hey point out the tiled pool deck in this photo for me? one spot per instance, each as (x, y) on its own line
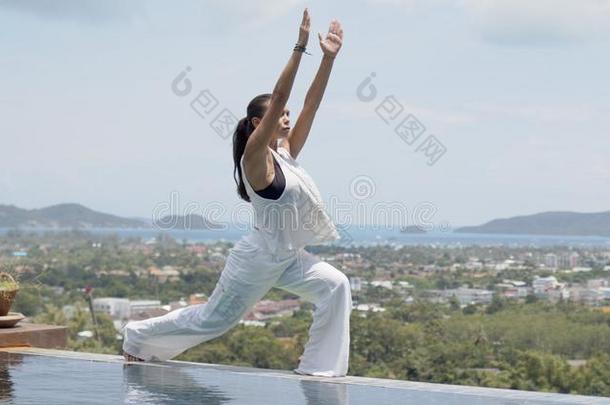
(47, 376)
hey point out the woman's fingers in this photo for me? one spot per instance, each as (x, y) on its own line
(334, 37)
(306, 20)
(335, 28)
(333, 40)
(304, 28)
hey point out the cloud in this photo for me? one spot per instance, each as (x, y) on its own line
(539, 22)
(246, 13)
(548, 113)
(256, 13)
(522, 22)
(417, 5)
(266, 9)
(559, 114)
(361, 110)
(92, 11)
(6, 183)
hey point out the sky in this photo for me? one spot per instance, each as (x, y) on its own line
(513, 96)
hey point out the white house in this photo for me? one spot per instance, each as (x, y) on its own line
(542, 284)
(355, 283)
(116, 308)
(468, 296)
(382, 283)
(139, 305)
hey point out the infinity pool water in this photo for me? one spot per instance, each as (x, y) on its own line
(43, 379)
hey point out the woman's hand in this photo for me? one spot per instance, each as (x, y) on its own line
(333, 41)
(304, 28)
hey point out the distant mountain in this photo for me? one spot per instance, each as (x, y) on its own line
(147, 221)
(63, 216)
(548, 223)
(414, 229)
(186, 222)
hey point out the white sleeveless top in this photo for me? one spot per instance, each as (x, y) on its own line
(298, 217)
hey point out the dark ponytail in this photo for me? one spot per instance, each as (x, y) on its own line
(256, 108)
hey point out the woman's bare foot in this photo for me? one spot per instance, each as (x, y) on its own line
(129, 357)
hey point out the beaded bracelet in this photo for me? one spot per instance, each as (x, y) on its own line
(300, 48)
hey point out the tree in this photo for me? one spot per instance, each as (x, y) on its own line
(497, 304)
(470, 309)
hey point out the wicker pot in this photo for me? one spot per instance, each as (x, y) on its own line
(7, 295)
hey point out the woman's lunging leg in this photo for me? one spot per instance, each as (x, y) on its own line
(327, 350)
(164, 337)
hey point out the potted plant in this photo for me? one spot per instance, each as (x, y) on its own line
(8, 290)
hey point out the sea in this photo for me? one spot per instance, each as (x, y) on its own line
(353, 237)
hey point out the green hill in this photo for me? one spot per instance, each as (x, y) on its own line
(63, 216)
(548, 223)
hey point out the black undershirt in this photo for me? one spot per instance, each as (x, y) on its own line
(274, 190)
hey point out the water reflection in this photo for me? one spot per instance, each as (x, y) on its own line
(6, 385)
(36, 381)
(7, 390)
(164, 385)
(48, 380)
(324, 393)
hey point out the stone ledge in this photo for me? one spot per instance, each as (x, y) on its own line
(35, 335)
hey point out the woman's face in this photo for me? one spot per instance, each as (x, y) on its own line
(283, 124)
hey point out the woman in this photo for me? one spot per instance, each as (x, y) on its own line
(288, 214)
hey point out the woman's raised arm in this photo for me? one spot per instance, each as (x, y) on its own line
(330, 46)
(256, 147)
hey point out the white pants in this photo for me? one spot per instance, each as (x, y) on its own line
(249, 272)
